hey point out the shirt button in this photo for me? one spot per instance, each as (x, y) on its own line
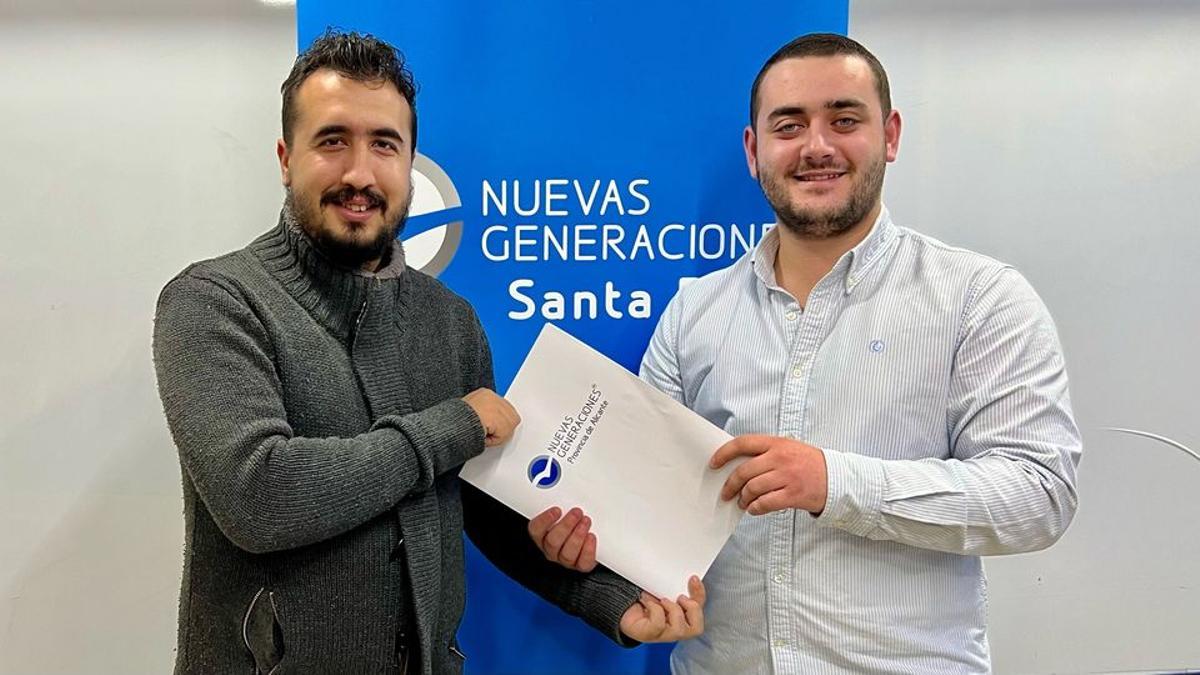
(797, 371)
(791, 315)
(779, 578)
(779, 642)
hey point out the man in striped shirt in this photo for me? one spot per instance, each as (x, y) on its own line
(901, 405)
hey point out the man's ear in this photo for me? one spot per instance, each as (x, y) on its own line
(749, 144)
(891, 135)
(281, 149)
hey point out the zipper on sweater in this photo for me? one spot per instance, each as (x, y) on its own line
(362, 314)
(246, 620)
(362, 386)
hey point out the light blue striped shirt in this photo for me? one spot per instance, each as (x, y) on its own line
(933, 379)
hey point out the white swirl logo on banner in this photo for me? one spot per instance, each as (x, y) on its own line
(432, 249)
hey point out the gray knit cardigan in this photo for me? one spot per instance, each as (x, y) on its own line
(318, 416)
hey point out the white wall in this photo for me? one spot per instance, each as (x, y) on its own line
(135, 140)
(1064, 137)
(1061, 137)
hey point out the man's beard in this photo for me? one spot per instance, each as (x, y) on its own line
(348, 252)
(817, 224)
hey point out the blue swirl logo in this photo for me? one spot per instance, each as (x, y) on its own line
(544, 472)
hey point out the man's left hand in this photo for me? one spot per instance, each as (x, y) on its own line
(781, 474)
(653, 619)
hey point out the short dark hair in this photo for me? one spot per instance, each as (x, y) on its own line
(824, 44)
(364, 58)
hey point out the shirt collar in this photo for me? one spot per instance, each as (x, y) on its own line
(852, 266)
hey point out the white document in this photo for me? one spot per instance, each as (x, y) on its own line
(595, 436)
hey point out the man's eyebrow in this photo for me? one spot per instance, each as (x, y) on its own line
(836, 104)
(844, 103)
(336, 129)
(387, 132)
(331, 130)
(787, 111)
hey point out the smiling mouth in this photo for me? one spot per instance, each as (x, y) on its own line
(356, 213)
(354, 206)
(818, 177)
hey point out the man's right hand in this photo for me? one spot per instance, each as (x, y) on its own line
(569, 541)
(497, 415)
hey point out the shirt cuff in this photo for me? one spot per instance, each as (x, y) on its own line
(855, 492)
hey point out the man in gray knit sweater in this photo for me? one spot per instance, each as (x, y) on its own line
(322, 396)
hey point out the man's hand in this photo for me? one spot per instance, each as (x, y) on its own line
(568, 541)
(780, 474)
(497, 415)
(659, 620)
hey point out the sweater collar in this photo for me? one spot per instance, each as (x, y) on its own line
(334, 294)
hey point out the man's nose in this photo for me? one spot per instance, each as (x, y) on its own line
(817, 145)
(359, 173)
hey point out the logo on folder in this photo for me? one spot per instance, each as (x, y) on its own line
(544, 472)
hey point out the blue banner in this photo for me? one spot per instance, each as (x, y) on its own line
(577, 160)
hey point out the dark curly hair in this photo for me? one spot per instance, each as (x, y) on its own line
(824, 44)
(364, 58)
